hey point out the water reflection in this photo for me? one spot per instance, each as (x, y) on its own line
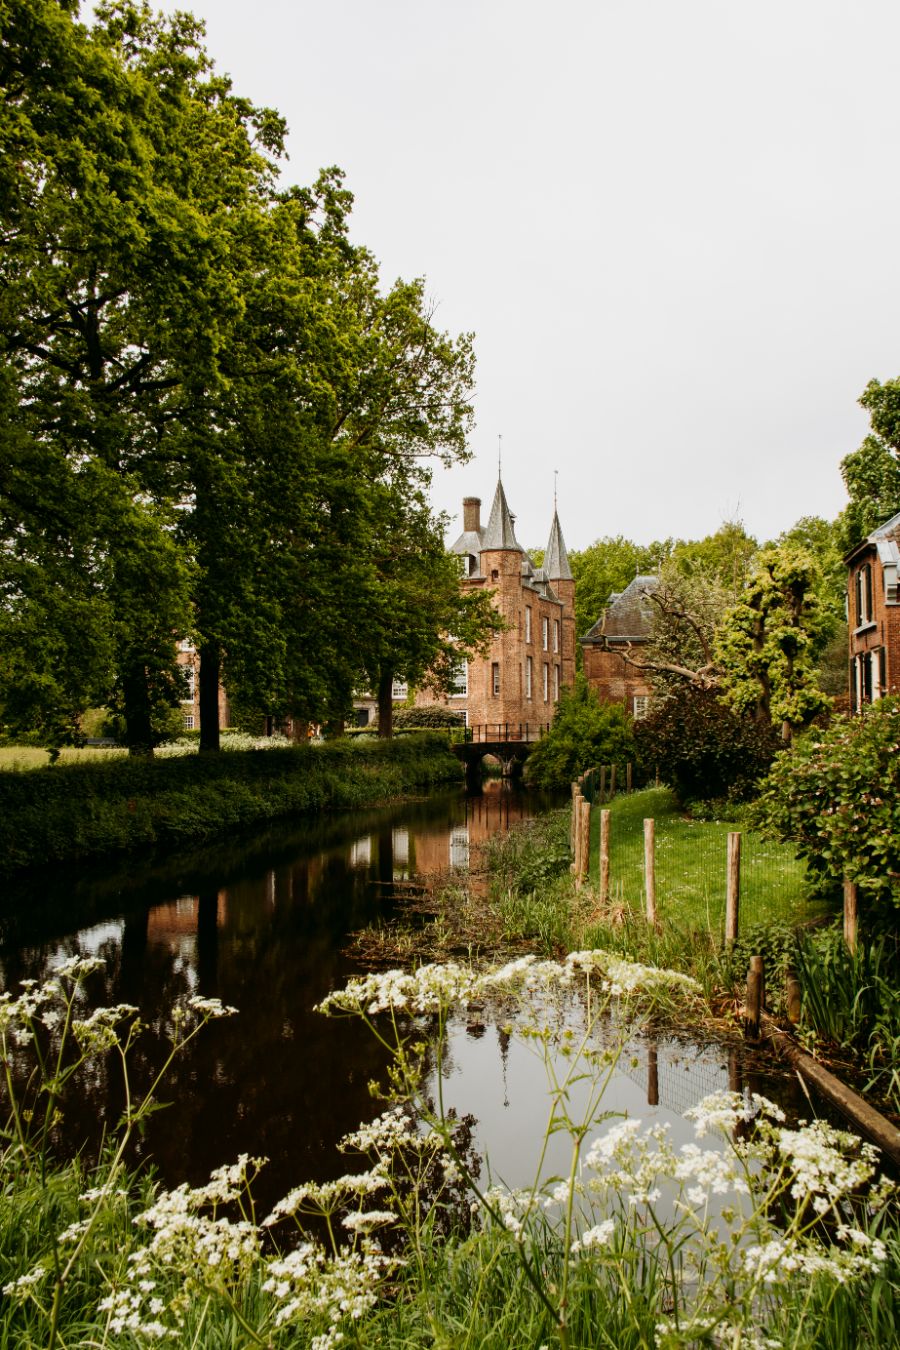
(261, 925)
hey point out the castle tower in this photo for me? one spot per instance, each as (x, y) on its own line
(501, 564)
(559, 574)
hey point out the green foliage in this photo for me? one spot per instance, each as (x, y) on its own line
(837, 797)
(767, 644)
(104, 807)
(724, 556)
(584, 733)
(702, 748)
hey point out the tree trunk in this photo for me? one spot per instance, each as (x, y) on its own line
(385, 705)
(210, 672)
(138, 719)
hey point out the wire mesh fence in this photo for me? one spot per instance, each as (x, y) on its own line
(691, 866)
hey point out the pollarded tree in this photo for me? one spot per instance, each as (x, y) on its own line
(767, 643)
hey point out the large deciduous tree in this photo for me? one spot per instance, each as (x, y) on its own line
(872, 473)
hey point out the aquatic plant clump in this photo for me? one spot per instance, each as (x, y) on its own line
(434, 989)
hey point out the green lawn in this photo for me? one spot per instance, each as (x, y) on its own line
(18, 757)
(691, 866)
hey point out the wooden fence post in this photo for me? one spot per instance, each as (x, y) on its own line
(851, 915)
(603, 782)
(628, 776)
(604, 857)
(753, 1004)
(573, 832)
(792, 994)
(584, 841)
(733, 892)
(650, 868)
(612, 780)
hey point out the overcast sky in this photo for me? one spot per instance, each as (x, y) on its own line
(672, 227)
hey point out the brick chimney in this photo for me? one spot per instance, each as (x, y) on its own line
(472, 513)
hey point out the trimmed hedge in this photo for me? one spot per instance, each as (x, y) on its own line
(75, 811)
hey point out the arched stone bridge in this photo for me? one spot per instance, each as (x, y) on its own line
(509, 742)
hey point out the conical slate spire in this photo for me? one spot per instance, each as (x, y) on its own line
(500, 532)
(556, 560)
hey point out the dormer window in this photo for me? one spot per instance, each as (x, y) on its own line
(473, 565)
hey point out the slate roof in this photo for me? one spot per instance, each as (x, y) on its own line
(627, 617)
(500, 532)
(556, 559)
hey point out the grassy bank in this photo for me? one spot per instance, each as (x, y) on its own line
(88, 810)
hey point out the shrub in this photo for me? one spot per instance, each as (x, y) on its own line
(703, 749)
(584, 734)
(837, 796)
(434, 717)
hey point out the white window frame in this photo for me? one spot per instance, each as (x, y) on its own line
(556, 684)
(459, 686)
(527, 623)
(529, 674)
(556, 635)
(546, 678)
(188, 720)
(495, 679)
(640, 705)
(545, 633)
(399, 691)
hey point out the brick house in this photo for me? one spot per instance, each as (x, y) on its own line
(873, 612)
(519, 680)
(624, 624)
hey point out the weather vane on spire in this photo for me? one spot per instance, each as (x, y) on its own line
(555, 477)
(500, 456)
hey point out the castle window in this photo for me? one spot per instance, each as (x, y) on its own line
(188, 719)
(459, 681)
(546, 681)
(545, 634)
(190, 684)
(495, 678)
(556, 635)
(556, 684)
(473, 565)
(527, 624)
(640, 704)
(495, 575)
(399, 690)
(528, 676)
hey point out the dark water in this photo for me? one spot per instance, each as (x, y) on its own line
(263, 924)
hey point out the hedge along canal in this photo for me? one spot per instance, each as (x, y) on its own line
(71, 812)
(264, 925)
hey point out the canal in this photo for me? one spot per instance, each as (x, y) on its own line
(263, 923)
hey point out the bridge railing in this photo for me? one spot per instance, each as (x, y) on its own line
(504, 732)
